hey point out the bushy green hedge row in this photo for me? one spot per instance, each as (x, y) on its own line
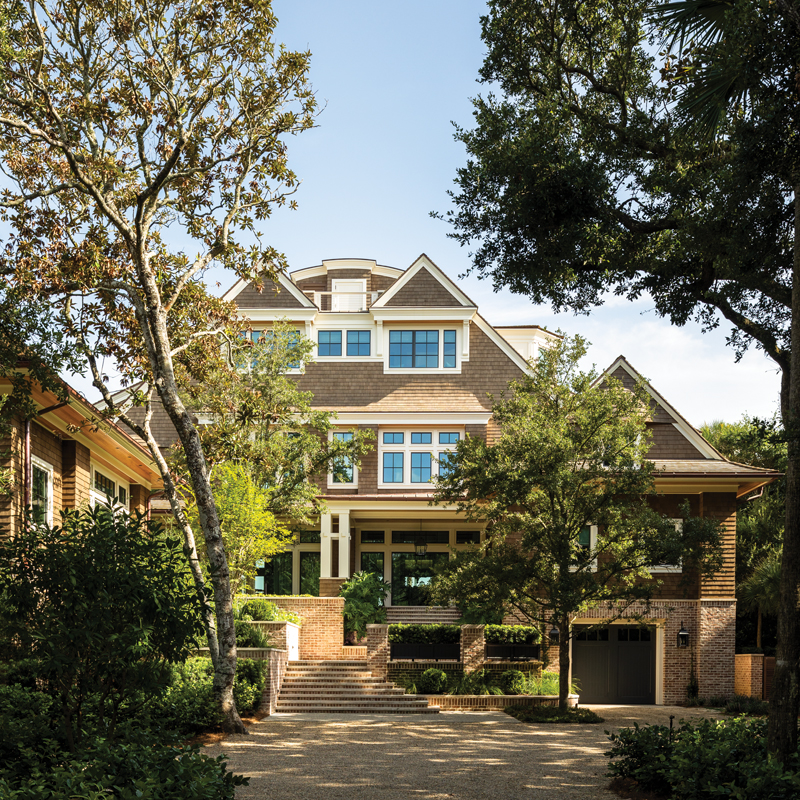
(512, 634)
(401, 633)
(477, 682)
(257, 609)
(714, 759)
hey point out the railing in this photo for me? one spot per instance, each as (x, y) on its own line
(425, 652)
(343, 302)
(513, 652)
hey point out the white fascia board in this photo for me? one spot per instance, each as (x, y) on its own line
(338, 319)
(411, 509)
(272, 315)
(423, 262)
(308, 272)
(283, 281)
(502, 343)
(349, 263)
(682, 425)
(460, 313)
(387, 272)
(411, 419)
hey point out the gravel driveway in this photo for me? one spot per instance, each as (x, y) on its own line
(462, 755)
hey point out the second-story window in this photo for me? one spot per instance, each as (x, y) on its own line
(422, 349)
(414, 457)
(343, 470)
(358, 343)
(329, 343)
(42, 492)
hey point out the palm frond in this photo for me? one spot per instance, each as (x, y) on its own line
(696, 21)
(705, 103)
(763, 588)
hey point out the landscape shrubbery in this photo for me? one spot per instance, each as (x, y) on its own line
(713, 759)
(97, 618)
(402, 633)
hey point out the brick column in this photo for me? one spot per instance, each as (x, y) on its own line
(473, 647)
(378, 650)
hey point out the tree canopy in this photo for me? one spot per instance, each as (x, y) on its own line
(564, 494)
(142, 144)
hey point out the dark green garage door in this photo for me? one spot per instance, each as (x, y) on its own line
(615, 664)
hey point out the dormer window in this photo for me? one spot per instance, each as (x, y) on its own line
(423, 349)
(358, 343)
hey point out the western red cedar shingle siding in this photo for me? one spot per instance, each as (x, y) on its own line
(270, 296)
(423, 291)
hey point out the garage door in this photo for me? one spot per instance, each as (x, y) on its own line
(616, 664)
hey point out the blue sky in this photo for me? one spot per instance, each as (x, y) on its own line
(391, 78)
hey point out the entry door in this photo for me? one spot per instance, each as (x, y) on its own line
(616, 664)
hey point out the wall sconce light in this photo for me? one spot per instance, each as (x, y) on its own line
(421, 546)
(555, 635)
(683, 636)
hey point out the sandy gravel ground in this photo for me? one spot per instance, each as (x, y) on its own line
(461, 755)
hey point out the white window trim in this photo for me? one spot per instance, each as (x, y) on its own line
(336, 282)
(407, 448)
(388, 329)
(48, 468)
(343, 329)
(592, 546)
(258, 329)
(666, 569)
(96, 496)
(339, 485)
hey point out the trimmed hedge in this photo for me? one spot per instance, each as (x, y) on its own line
(258, 609)
(511, 634)
(401, 633)
(512, 681)
(432, 681)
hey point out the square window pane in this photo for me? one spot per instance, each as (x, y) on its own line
(421, 438)
(449, 437)
(329, 343)
(444, 463)
(585, 537)
(420, 467)
(393, 467)
(393, 438)
(358, 343)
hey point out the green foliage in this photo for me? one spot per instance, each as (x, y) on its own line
(540, 561)
(715, 759)
(477, 682)
(512, 634)
(740, 704)
(187, 705)
(432, 681)
(424, 634)
(248, 635)
(476, 614)
(102, 605)
(574, 716)
(512, 681)
(364, 595)
(546, 683)
(762, 590)
(257, 609)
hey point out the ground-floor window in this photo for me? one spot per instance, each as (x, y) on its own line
(411, 577)
(309, 573)
(372, 562)
(292, 572)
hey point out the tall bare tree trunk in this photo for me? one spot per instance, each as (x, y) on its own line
(563, 663)
(785, 698)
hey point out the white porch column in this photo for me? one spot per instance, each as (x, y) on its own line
(344, 544)
(325, 542)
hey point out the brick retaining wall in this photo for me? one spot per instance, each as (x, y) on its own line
(749, 680)
(322, 628)
(449, 702)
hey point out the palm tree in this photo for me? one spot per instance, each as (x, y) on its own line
(762, 590)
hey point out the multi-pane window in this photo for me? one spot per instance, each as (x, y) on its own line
(292, 341)
(420, 467)
(420, 349)
(372, 537)
(358, 343)
(409, 457)
(107, 490)
(342, 470)
(468, 537)
(329, 343)
(41, 493)
(372, 562)
(393, 467)
(105, 485)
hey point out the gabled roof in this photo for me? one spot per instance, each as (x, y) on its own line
(680, 422)
(283, 283)
(424, 264)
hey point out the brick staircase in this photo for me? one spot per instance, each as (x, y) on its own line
(421, 615)
(343, 687)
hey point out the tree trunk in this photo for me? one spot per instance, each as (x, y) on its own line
(563, 663)
(758, 629)
(225, 669)
(785, 698)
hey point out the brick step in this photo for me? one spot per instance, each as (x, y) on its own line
(328, 662)
(293, 691)
(377, 702)
(422, 615)
(346, 710)
(309, 680)
(329, 676)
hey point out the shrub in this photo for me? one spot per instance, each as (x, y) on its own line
(187, 706)
(512, 681)
(740, 704)
(715, 759)
(477, 682)
(257, 609)
(432, 681)
(512, 634)
(364, 594)
(575, 716)
(248, 635)
(401, 633)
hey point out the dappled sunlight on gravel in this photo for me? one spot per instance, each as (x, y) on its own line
(457, 755)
